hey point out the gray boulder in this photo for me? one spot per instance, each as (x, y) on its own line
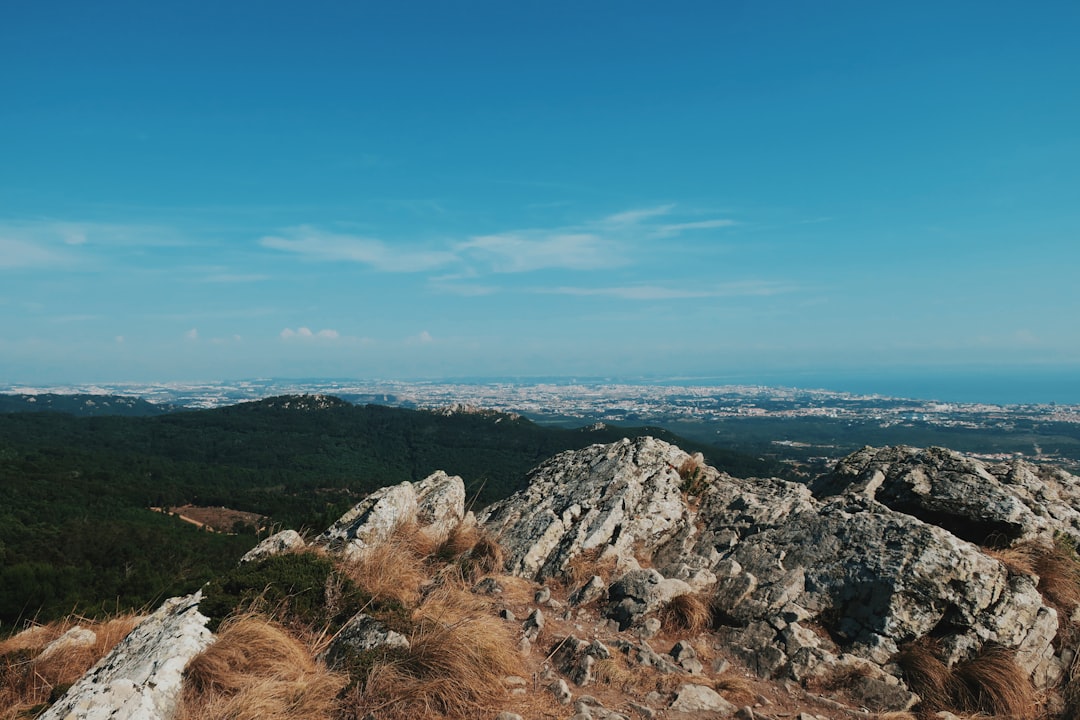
(282, 542)
(436, 505)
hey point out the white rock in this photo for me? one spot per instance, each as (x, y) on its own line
(141, 678)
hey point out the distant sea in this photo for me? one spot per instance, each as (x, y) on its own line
(999, 387)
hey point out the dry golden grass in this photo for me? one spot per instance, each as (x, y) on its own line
(484, 558)
(459, 653)
(257, 671)
(1059, 578)
(735, 687)
(992, 683)
(28, 681)
(391, 570)
(838, 678)
(615, 671)
(460, 540)
(1018, 560)
(690, 612)
(899, 715)
(925, 674)
(589, 563)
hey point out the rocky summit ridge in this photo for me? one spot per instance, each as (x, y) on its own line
(806, 583)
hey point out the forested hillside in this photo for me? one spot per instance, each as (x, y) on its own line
(76, 532)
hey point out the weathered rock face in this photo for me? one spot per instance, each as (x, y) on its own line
(141, 678)
(436, 504)
(983, 503)
(620, 499)
(875, 554)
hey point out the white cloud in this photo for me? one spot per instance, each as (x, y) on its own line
(678, 228)
(119, 339)
(192, 334)
(633, 217)
(655, 292)
(531, 250)
(17, 252)
(59, 243)
(422, 338)
(303, 333)
(319, 245)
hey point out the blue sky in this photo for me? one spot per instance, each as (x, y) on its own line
(207, 190)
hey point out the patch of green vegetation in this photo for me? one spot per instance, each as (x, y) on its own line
(291, 587)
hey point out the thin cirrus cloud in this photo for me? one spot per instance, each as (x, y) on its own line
(635, 217)
(319, 245)
(59, 243)
(527, 251)
(655, 292)
(674, 229)
(594, 244)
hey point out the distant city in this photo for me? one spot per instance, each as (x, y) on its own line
(695, 410)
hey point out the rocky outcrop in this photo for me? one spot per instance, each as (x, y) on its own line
(141, 678)
(618, 500)
(988, 504)
(880, 552)
(436, 505)
(805, 582)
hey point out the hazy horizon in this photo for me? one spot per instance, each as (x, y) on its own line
(610, 188)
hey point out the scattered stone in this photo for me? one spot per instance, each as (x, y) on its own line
(649, 628)
(533, 625)
(508, 716)
(506, 614)
(593, 589)
(643, 710)
(76, 637)
(701, 698)
(542, 595)
(561, 691)
(745, 713)
(488, 586)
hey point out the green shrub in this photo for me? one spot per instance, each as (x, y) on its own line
(291, 587)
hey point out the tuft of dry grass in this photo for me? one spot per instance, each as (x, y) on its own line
(460, 540)
(459, 654)
(485, 558)
(257, 671)
(992, 683)
(615, 672)
(838, 678)
(392, 570)
(1018, 560)
(690, 612)
(589, 563)
(924, 672)
(28, 681)
(735, 687)
(1058, 569)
